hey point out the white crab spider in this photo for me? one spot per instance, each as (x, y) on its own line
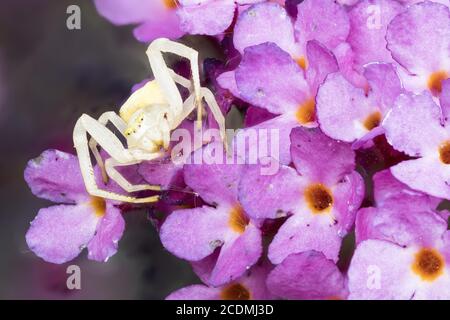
(146, 120)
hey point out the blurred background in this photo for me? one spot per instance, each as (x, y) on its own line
(49, 76)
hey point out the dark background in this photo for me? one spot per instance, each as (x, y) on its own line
(49, 75)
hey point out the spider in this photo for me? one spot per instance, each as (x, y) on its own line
(145, 120)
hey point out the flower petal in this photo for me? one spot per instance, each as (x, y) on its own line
(56, 176)
(122, 12)
(388, 189)
(267, 77)
(345, 57)
(59, 233)
(385, 85)
(223, 176)
(342, 109)
(426, 174)
(264, 22)
(269, 140)
(321, 62)
(195, 292)
(401, 224)
(194, 234)
(409, 114)
(165, 25)
(369, 20)
(253, 281)
(322, 20)
(445, 100)
(164, 174)
(237, 256)
(270, 196)
(319, 157)
(208, 18)
(227, 81)
(109, 231)
(421, 44)
(303, 232)
(380, 270)
(348, 195)
(256, 115)
(307, 275)
(203, 268)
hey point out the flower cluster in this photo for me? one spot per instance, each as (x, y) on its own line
(360, 93)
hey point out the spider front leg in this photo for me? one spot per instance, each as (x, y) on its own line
(118, 122)
(164, 77)
(112, 145)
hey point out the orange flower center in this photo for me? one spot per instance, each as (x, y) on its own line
(435, 81)
(372, 121)
(170, 4)
(444, 152)
(428, 264)
(238, 220)
(235, 291)
(302, 63)
(99, 206)
(306, 112)
(318, 198)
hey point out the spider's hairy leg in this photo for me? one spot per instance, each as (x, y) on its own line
(104, 119)
(106, 139)
(163, 75)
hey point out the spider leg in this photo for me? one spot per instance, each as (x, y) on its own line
(119, 124)
(115, 175)
(164, 77)
(188, 107)
(217, 114)
(181, 80)
(111, 144)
